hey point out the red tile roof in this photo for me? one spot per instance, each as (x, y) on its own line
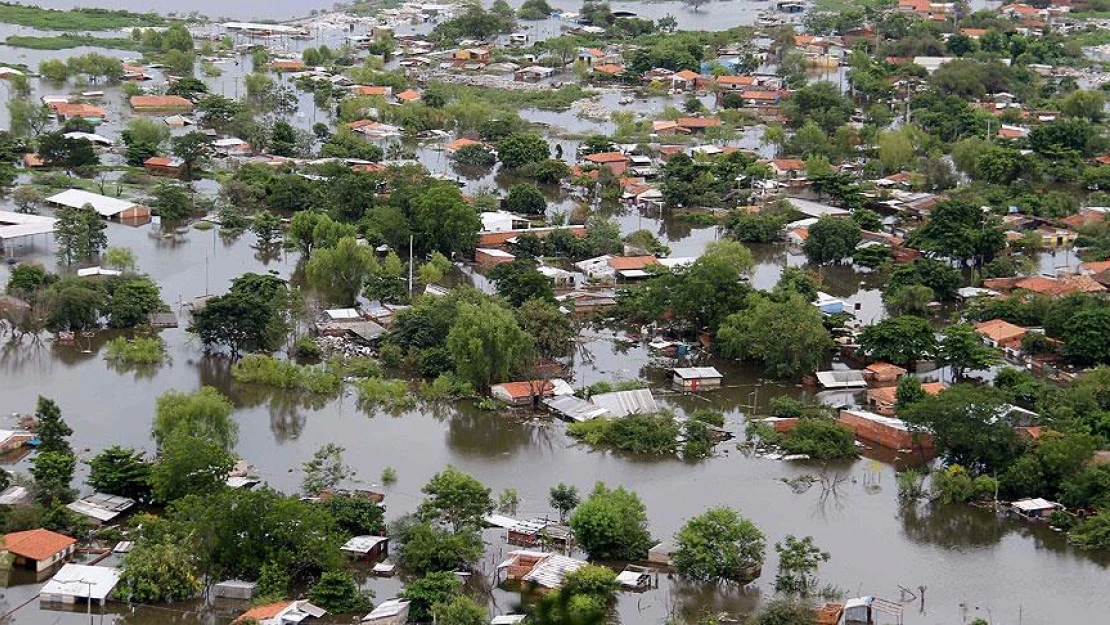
(408, 95)
(698, 122)
(39, 544)
(624, 263)
(161, 102)
(1000, 331)
(607, 157)
(520, 390)
(262, 612)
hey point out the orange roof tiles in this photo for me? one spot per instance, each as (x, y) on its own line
(687, 75)
(607, 157)
(736, 80)
(885, 368)
(161, 102)
(698, 122)
(520, 390)
(460, 143)
(373, 90)
(262, 612)
(625, 263)
(1098, 266)
(609, 68)
(39, 544)
(69, 109)
(760, 95)
(789, 164)
(1000, 331)
(408, 95)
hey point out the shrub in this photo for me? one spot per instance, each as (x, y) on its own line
(306, 347)
(260, 369)
(712, 417)
(956, 485)
(391, 393)
(821, 439)
(138, 351)
(641, 434)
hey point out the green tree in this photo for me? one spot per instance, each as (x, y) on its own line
(564, 499)
(908, 392)
(788, 336)
(961, 348)
(1087, 337)
(487, 344)
(204, 413)
(120, 258)
(189, 465)
(785, 611)
(967, 427)
(719, 546)
(460, 610)
(338, 593)
(455, 499)
(356, 515)
(960, 230)
(53, 473)
(52, 430)
(1093, 533)
(900, 340)
(160, 572)
(121, 471)
(831, 240)
(133, 299)
(240, 322)
(518, 150)
(325, 470)
(267, 227)
(526, 199)
(194, 149)
(798, 562)
(612, 524)
(78, 233)
(73, 304)
(171, 201)
(443, 222)
(428, 592)
(519, 281)
(426, 548)
(341, 271)
(551, 331)
(144, 137)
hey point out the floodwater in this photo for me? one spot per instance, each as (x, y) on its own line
(972, 563)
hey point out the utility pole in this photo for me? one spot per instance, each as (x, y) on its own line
(410, 265)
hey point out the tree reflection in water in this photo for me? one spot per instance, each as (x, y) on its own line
(952, 526)
(482, 434)
(690, 603)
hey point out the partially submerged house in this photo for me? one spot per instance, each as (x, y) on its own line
(368, 548)
(38, 549)
(281, 613)
(1036, 508)
(160, 103)
(541, 569)
(101, 508)
(235, 589)
(624, 403)
(529, 392)
(532, 532)
(80, 581)
(108, 207)
(389, 612)
(888, 432)
(696, 378)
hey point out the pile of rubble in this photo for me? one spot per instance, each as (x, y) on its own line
(331, 346)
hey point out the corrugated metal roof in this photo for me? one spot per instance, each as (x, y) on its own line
(848, 378)
(552, 570)
(697, 373)
(363, 544)
(624, 403)
(574, 408)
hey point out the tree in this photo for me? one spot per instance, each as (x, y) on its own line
(1087, 337)
(475, 155)
(133, 299)
(120, 258)
(1085, 104)
(564, 499)
(189, 465)
(194, 149)
(788, 336)
(719, 546)
(338, 593)
(520, 149)
(551, 331)
(121, 471)
(204, 413)
(611, 524)
(960, 230)
(831, 240)
(26, 279)
(341, 271)
(78, 233)
(519, 281)
(798, 561)
(912, 299)
(461, 610)
(900, 340)
(52, 430)
(428, 592)
(73, 304)
(443, 222)
(784, 611)
(27, 117)
(161, 572)
(969, 426)
(909, 392)
(487, 344)
(144, 137)
(53, 473)
(267, 227)
(240, 322)
(426, 548)
(526, 199)
(356, 515)
(325, 471)
(171, 201)
(54, 70)
(1093, 533)
(961, 348)
(27, 199)
(456, 499)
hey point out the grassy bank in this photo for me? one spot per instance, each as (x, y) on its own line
(67, 41)
(75, 19)
(547, 99)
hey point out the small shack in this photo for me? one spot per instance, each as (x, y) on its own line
(634, 578)
(367, 548)
(38, 549)
(235, 589)
(281, 613)
(80, 581)
(660, 554)
(1036, 508)
(390, 612)
(883, 373)
(841, 379)
(542, 569)
(696, 378)
(101, 508)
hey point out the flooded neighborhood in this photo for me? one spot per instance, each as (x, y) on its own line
(772, 312)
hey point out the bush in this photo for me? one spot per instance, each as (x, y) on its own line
(1094, 533)
(307, 348)
(391, 393)
(956, 485)
(260, 369)
(138, 351)
(640, 434)
(820, 439)
(787, 407)
(712, 417)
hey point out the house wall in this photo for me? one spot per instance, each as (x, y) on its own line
(885, 435)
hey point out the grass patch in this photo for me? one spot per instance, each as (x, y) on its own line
(68, 40)
(259, 369)
(548, 99)
(76, 19)
(138, 351)
(389, 393)
(639, 434)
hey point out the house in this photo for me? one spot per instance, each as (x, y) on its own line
(492, 256)
(471, 55)
(532, 532)
(1035, 508)
(80, 581)
(16, 496)
(526, 393)
(379, 91)
(1056, 237)
(369, 548)
(534, 73)
(660, 554)
(1001, 334)
(634, 578)
(609, 268)
(164, 165)
(883, 373)
(506, 237)
(408, 95)
(788, 168)
(235, 589)
(508, 619)
(571, 408)
(735, 83)
(11, 440)
(624, 403)
(560, 277)
(684, 80)
(101, 508)
(888, 432)
(694, 378)
(882, 400)
(608, 70)
(615, 161)
(390, 612)
(281, 613)
(287, 65)
(587, 301)
(38, 549)
(697, 124)
(150, 103)
(69, 110)
(108, 207)
(459, 144)
(841, 379)
(502, 221)
(546, 571)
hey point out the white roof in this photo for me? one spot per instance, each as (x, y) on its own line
(14, 225)
(14, 495)
(553, 272)
(624, 403)
(1034, 505)
(78, 198)
(496, 253)
(387, 609)
(574, 408)
(80, 580)
(692, 373)
(817, 209)
(847, 378)
(275, 28)
(343, 313)
(498, 221)
(551, 571)
(363, 544)
(101, 507)
(630, 578)
(97, 271)
(508, 619)
(890, 422)
(229, 142)
(89, 136)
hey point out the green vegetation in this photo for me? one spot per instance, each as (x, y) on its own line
(611, 524)
(66, 41)
(267, 370)
(137, 351)
(720, 546)
(636, 433)
(77, 19)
